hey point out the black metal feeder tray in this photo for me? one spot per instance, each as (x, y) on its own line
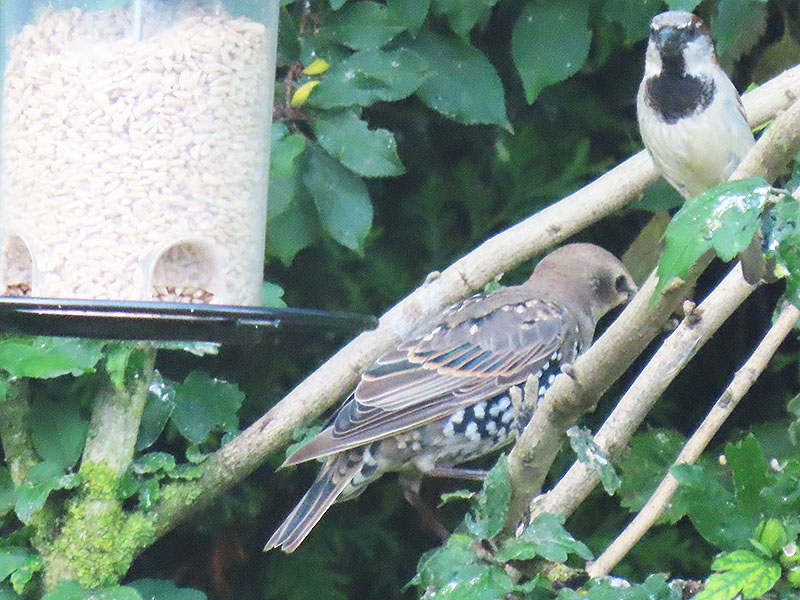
(165, 321)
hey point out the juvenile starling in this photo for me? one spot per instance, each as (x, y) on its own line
(690, 115)
(441, 397)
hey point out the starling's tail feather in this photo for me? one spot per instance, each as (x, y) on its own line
(337, 472)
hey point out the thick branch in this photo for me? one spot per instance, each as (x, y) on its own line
(608, 358)
(722, 409)
(533, 236)
(115, 420)
(15, 409)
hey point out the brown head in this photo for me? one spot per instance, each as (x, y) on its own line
(585, 276)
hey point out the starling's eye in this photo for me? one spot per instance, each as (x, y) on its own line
(621, 285)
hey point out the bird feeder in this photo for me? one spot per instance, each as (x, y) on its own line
(135, 149)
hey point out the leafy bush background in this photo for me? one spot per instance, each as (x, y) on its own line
(438, 123)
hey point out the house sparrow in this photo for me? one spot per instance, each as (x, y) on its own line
(691, 118)
(442, 397)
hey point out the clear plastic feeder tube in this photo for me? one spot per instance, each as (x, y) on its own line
(135, 148)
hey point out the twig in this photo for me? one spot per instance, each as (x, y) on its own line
(322, 388)
(741, 383)
(774, 148)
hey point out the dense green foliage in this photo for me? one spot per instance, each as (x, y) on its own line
(431, 125)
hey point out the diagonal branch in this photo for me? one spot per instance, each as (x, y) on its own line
(722, 409)
(776, 147)
(531, 237)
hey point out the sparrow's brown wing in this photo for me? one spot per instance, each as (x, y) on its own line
(476, 349)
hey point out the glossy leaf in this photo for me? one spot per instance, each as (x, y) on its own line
(454, 572)
(70, 590)
(204, 404)
(362, 25)
(651, 454)
(545, 537)
(590, 454)
(159, 589)
(750, 473)
(550, 42)
(781, 243)
(724, 218)
(466, 87)
(341, 198)
(712, 508)
(45, 357)
(57, 431)
(411, 13)
(18, 565)
(463, 16)
(366, 152)
(157, 410)
(42, 479)
(295, 228)
(490, 508)
(635, 15)
(153, 462)
(371, 76)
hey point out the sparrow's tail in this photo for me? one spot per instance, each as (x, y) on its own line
(332, 479)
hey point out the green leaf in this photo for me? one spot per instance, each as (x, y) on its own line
(737, 23)
(70, 590)
(283, 169)
(490, 508)
(371, 76)
(454, 572)
(782, 243)
(463, 16)
(550, 43)
(712, 508)
(366, 152)
(740, 571)
(117, 357)
(545, 537)
(57, 431)
(750, 472)
(293, 229)
(466, 87)
(153, 462)
(651, 454)
(633, 15)
(412, 13)
(687, 5)
(203, 404)
(341, 199)
(362, 25)
(157, 410)
(42, 479)
(158, 589)
(590, 454)
(272, 295)
(8, 495)
(724, 217)
(46, 357)
(18, 564)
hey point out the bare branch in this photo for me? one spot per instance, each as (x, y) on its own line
(608, 358)
(741, 383)
(521, 242)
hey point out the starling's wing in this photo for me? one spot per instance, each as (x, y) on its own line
(477, 349)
